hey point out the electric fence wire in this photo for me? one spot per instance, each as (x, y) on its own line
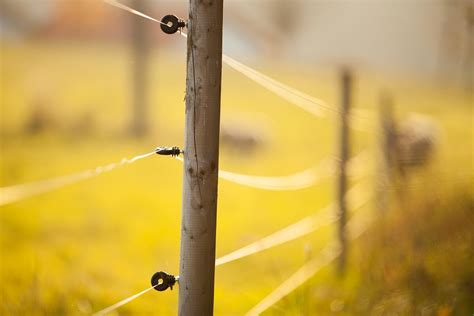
(357, 197)
(126, 8)
(304, 101)
(19, 192)
(122, 302)
(304, 179)
(356, 227)
(296, 181)
(361, 118)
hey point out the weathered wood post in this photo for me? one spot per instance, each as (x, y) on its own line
(140, 42)
(201, 157)
(346, 82)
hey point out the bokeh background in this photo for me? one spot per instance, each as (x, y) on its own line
(84, 84)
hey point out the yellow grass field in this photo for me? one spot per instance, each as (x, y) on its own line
(86, 246)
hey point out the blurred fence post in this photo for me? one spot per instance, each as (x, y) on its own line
(201, 158)
(387, 157)
(308, 249)
(140, 42)
(346, 86)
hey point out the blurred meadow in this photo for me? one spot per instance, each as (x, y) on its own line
(66, 106)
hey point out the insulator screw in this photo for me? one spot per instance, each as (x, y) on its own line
(170, 24)
(168, 151)
(161, 281)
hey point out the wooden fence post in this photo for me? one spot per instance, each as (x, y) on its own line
(201, 158)
(387, 152)
(140, 83)
(346, 83)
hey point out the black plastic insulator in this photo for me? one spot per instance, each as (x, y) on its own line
(168, 151)
(161, 281)
(170, 24)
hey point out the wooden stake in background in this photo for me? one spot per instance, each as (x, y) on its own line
(346, 82)
(140, 84)
(201, 158)
(387, 158)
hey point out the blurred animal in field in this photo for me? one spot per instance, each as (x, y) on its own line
(416, 141)
(407, 146)
(41, 117)
(43, 112)
(85, 124)
(244, 134)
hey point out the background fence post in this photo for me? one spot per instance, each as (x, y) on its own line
(140, 56)
(387, 157)
(346, 83)
(201, 157)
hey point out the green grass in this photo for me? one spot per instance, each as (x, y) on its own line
(83, 247)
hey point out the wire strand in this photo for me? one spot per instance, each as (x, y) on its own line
(128, 9)
(296, 181)
(356, 227)
(294, 96)
(360, 119)
(303, 100)
(122, 302)
(356, 197)
(19, 192)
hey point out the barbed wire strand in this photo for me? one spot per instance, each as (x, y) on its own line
(19, 192)
(356, 227)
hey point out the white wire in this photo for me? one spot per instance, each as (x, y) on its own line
(356, 227)
(308, 103)
(23, 191)
(359, 118)
(356, 197)
(296, 181)
(124, 7)
(328, 254)
(122, 302)
(305, 101)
